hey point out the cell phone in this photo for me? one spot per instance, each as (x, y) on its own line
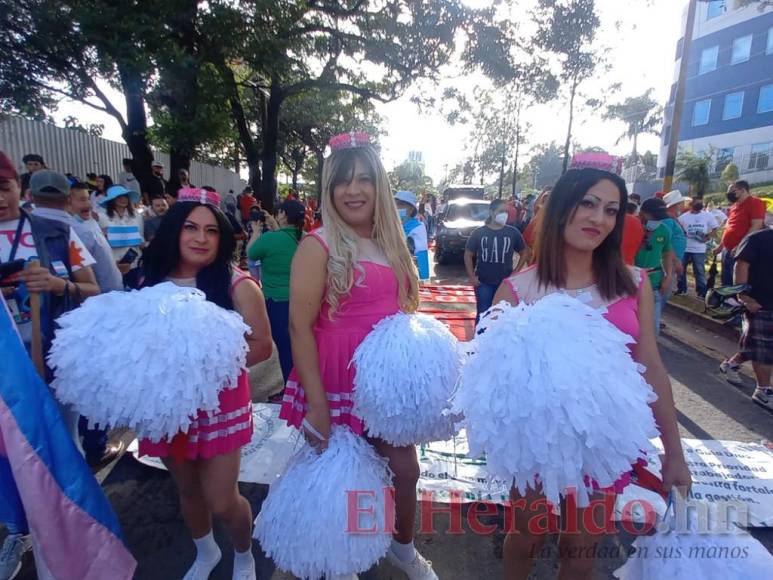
(9, 270)
(257, 215)
(129, 257)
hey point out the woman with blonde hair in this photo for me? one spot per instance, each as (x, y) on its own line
(345, 278)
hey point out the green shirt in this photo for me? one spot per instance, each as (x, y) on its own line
(275, 250)
(650, 255)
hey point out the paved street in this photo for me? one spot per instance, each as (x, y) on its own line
(146, 500)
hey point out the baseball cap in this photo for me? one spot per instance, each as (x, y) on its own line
(48, 184)
(7, 169)
(406, 197)
(157, 164)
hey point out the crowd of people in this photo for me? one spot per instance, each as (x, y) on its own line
(314, 282)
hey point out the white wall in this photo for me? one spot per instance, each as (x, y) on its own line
(69, 151)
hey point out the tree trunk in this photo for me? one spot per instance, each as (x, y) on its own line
(501, 172)
(250, 147)
(270, 146)
(136, 131)
(320, 164)
(571, 121)
(635, 153)
(515, 161)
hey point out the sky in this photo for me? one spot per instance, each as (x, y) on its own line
(641, 52)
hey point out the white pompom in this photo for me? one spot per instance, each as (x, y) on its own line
(716, 552)
(148, 359)
(551, 389)
(407, 368)
(308, 522)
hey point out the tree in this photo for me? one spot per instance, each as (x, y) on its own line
(93, 129)
(53, 50)
(545, 166)
(409, 175)
(373, 50)
(568, 29)
(694, 169)
(641, 115)
(730, 174)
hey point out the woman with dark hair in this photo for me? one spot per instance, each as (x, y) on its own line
(275, 250)
(578, 253)
(193, 247)
(102, 184)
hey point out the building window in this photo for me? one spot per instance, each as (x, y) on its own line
(672, 96)
(742, 49)
(724, 158)
(769, 50)
(715, 8)
(765, 104)
(700, 114)
(760, 156)
(708, 60)
(733, 106)
(666, 134)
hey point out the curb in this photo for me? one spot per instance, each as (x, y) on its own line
(704, 321)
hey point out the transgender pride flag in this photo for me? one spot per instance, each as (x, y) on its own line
(44, 482)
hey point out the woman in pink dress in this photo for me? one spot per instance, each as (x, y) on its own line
(193, 247)
(578, 253)
(345, 278)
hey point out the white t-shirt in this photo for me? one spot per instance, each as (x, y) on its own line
(696, 226)
(18, 301)
(719, 215)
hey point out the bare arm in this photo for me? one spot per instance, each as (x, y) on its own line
(249, 302)
(524, 258)
(675, 472)
(307, 290)
(39, 279)
(469, 268)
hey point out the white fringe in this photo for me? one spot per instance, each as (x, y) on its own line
(148, 359)
(407, 368)
(714, 553)
(303, 522)
(551, 389)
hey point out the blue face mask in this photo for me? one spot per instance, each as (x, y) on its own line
(652, 225)
(403, 213)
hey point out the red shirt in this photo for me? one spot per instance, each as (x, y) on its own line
(739, 220)
(246, 202)
(633, 236)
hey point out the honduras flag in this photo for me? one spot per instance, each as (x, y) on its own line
(45, 485)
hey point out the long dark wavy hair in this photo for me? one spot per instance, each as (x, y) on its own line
(110, 207)
(613, 278)
(163, 254)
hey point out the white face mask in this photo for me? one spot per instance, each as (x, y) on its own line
(500, 218)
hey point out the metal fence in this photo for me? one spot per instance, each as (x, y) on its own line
(70, 151)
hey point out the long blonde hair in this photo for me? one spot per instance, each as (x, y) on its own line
(387, 231)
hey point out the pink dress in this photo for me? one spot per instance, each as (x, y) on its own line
(371, 298)
(623, 313)
(218, 432)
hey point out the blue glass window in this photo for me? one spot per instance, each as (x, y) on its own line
(708, 60)
(733, 106)
(715, 8)
(742, 49)
(765, 104)
(700, 114)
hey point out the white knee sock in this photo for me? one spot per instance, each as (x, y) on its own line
(243, 561)
(207, 549)
(404, 552)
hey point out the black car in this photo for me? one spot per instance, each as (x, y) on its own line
(458, 220)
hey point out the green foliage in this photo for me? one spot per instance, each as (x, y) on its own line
(641, 115)
(694, 169)
(409, 175)
(730, 174)
(545, 166)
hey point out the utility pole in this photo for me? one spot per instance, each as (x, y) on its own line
(676, 119)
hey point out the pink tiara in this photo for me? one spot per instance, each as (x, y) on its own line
(351, 140)
(199, 195)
